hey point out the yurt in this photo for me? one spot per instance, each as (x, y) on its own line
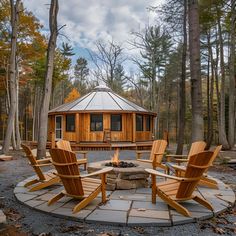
(101, 116)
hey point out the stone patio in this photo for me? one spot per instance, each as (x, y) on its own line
(127, 207)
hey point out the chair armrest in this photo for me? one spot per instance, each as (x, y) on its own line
(176, 167)
(180, 179)
(181, 160)
(81, 152)
(81, 161)
(99, 172)
(159, 153)
(154, 172)
(44, 164)
(44, 160)
(176, 156)
(144, 151)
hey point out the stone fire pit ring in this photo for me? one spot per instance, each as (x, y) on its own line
(123, 178)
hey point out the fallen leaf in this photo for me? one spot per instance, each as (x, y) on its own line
(141, 209)
(219, 230)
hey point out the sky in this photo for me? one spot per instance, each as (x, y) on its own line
(90, 20)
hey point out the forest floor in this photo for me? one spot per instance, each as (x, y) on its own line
(22, 221)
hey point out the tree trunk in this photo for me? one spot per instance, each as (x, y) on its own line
(42, 136)
(12, 110)
(222, 132)
(210, 91)
(196, 85)
(181, 90)
(17, 126)
(232, 90)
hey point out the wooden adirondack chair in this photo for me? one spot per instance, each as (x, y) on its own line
(156, 154)
(43, 180)
(196, 147)
(65, 145)
(205, 180)
(76, 185)
(182, 188)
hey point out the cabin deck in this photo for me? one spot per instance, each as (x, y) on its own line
(104, 146)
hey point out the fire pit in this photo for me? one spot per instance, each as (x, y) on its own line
(122, 176)
(115, 162)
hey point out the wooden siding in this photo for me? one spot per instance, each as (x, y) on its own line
(83, 134)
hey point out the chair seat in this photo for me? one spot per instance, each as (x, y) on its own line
(50, 175)
(90, 184)
(169, 187)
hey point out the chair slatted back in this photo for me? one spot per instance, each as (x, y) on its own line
(64, 144)
(216, 153)
(158, 146)
(196, 166)
(33, 162)
(196, 147)
(66, 165)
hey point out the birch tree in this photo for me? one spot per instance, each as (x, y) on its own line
(43, 120)
(13, 83)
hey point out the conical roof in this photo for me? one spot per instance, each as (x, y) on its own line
(101, 98)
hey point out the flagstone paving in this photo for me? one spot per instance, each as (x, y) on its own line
(128, 207)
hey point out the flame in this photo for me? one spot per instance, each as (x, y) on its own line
(115, 158)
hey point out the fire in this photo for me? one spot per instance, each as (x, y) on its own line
(115, 158)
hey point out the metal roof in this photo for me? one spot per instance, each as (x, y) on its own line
(101, 98)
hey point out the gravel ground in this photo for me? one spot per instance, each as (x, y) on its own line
(22, 220)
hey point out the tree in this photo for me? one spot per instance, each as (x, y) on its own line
(106, 59)
(67, 50)
(42, 135)
(182, 96)
(15, 7)
(154, 45)
(232, 89)
(74, 94)
(222, 130)
(196, 87)
(81, 72)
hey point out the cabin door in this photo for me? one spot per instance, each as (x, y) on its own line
(58, 127)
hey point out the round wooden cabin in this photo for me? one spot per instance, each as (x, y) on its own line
(101, 116)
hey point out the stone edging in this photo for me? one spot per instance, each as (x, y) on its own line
(127, 207)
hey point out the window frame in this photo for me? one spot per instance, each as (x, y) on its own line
(139, 115)
(95, 129)
(59, 129)
(67, 130)
(112, 115)
(148, 118)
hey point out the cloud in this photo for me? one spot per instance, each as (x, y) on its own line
(92, 20)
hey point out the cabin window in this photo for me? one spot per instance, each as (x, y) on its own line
(96, 122)
(148, 123)
(116, 122)
(139, 123)
(58, 127)
(70, 123)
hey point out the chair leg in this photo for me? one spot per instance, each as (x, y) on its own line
(179, 208)
(45, 184)
(85, 166)
(31, 182)
(56, 198)
(86, 200)
(203, 202)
